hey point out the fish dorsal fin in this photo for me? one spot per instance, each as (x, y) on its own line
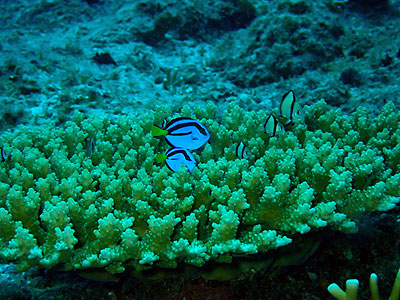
(176, 120)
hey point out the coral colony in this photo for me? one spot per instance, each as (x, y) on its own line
(115, 207)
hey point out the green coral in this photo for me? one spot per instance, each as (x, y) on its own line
(352, 285)
(114, 208)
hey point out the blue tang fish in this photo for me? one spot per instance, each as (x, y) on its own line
(176, 157)
(183, 133)
(290, 109)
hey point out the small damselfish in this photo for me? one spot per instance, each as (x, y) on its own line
(91, 144)
(272, 126)
(4, 154)
(242, 151)
(290, 109)
(175, 157)
(183, 133)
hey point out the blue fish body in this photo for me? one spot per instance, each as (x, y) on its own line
(176, 157)
(185, 133)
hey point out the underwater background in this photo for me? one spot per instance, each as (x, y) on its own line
(117, 58)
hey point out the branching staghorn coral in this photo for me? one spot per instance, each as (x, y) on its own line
(352, 289)
(112, 207)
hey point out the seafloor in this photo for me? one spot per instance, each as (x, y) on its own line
(105, 57)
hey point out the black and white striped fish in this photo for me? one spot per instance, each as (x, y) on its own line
(272, 126)
(4, 154)
(242, 151)
(91, 144)
(290, 109)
